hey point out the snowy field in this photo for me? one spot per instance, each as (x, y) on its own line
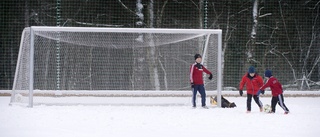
(119, 118)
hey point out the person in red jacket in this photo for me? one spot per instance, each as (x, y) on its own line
(196, 80)
(253, 83)
(276, 91)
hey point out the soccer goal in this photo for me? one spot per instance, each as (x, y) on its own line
(83, 61)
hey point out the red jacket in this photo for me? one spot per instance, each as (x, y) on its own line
(275, 86)
(253, 84)
(196, 76)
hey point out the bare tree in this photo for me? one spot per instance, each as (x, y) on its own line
(309, 67)
(138, 72)
(160, 14)
(153, 67)
(303, 41)
(252, 42)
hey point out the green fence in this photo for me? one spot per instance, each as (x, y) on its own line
(280, 35)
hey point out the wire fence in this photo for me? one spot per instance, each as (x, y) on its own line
(279, 35)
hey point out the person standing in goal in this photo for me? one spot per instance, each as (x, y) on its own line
(253, 83)
(276, 91)
(196, 79)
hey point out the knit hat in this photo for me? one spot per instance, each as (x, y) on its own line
(197, 56)
(251, 70)
(268, 73)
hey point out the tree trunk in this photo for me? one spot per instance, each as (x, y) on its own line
(252, 41)
(153, 67)
(138, 76)
(201, 13)
(160, 13)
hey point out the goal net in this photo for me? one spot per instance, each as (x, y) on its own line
(81, 61)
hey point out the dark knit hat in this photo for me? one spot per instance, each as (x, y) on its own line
(268, 73)
(251, 70)
(197, 56)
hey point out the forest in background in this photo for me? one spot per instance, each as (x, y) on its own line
(281, 35)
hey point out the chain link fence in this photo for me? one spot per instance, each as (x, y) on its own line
(279, 35)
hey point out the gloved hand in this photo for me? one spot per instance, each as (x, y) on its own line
(260, 91)
(210, 77)
(240, 92)
(192, 85)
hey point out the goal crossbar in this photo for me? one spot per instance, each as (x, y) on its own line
(127, 30)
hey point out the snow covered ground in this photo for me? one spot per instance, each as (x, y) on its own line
(117, 117)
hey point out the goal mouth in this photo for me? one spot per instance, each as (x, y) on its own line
(113, 61)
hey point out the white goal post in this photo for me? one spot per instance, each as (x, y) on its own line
(89, 61)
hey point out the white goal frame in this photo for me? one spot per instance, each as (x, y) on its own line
(127, 30)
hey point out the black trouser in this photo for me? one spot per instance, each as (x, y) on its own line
(256, 99)
(278, 99)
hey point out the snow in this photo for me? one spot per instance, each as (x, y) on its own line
(121, 117)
